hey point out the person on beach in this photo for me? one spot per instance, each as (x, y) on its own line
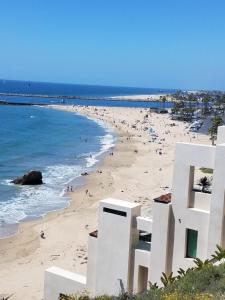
(42, 235)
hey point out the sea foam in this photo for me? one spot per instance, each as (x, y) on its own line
(31, 202)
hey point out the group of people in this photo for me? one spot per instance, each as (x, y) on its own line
(69, 188)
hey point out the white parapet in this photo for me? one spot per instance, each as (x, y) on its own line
(91, 263)
(144, 224)
(59, 281)
(221, 135)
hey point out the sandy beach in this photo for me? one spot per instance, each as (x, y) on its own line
(139, 170)
(155, 97)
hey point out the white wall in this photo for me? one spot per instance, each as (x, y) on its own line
(59, 281)
(117, 236)
(201, 200)
(187, 156)
(221, 135)
(162, 241)
(142, 257)
(216, 227)
(91, 264)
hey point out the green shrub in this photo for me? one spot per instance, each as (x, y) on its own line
(207, 170)
(204, 282)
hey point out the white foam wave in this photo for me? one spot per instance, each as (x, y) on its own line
(32, 202)
(107, 142)
(6, 182)
(37, 201)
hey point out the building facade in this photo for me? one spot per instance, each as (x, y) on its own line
(127, 251)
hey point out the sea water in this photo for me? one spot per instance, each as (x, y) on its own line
(93, 92)
(60, 144)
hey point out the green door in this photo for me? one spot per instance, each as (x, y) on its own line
(192, 237)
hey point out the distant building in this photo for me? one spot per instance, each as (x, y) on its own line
(128, 250)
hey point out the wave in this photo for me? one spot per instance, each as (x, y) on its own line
(32, 202)
(36, 201)
(107, 142)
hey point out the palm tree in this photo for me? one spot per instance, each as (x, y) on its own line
(204, 182)
(163, 102)
(216, 122)
(219, 254)
(153, 286)
(167, 279)
(202, 263)
(205, 109)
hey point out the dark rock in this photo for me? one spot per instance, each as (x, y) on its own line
(31, 178)
(84, 174)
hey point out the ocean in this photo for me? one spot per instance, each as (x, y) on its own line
(60, 144)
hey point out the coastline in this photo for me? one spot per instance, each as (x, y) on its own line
(140, 97)
(62, 170)
(134, 172)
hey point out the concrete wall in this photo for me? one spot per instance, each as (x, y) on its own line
(144, 224)
(142, 257)
(186, 217)
(117, 237)
(216, 226)
(91, 264)
(220, 135)
(61, 281)
(201, 200)
(162, 241)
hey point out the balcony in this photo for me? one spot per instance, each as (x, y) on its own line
(200, 200)
(144, 242)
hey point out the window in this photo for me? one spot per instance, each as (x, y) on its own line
(192, 237)
(201, 179)
(144, 241)
(115, 211)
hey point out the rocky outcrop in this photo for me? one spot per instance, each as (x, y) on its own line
(31, 178)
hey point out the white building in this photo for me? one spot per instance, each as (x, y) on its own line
(128, 250)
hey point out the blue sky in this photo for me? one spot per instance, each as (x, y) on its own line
(146, 43)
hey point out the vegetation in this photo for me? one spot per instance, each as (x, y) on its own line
(205, 108)
(183, 112)
(204, 182)
(207, 170)
(216, 122)
(205, 281)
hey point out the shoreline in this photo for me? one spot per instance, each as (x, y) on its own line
(10, 230)
(135, 172)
